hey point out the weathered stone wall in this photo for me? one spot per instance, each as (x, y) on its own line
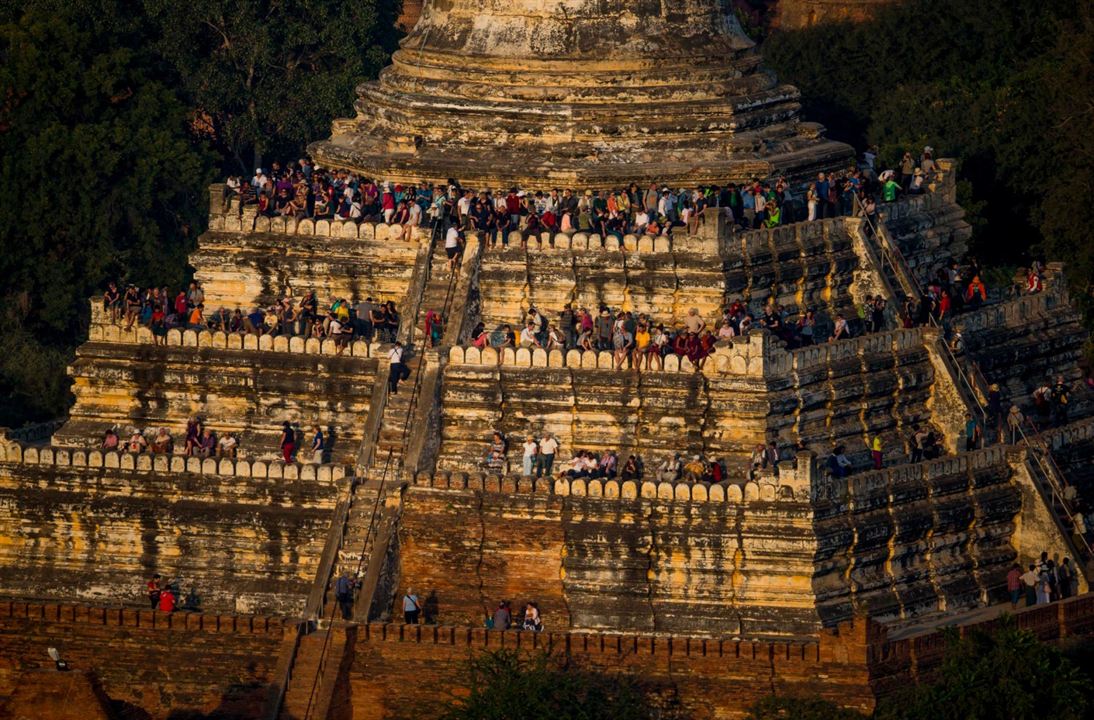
(1029, 341)
(646, 557)
(149, 665)
(246, 392)
(241, 269)
(394, 668)
(929, 229)
(798, 267)
(916, 539)
(246, 542)
(750, 391)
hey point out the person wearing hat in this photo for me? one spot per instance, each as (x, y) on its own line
(412, 608)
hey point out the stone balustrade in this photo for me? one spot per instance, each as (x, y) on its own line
(767, 489)
(207, 338)
(739, 355)
(578, 241)
(247, 222)
(15, 453)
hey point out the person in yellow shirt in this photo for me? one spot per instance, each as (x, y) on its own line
(875, 451)
(641, 345)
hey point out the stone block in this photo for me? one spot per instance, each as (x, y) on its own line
(291, 471)
(208, 466)
(305, 227)
(127, 461)
(562, 241)
(645, 244)
(604, 360)
(359, 348)
(112, 459)
(235, 341)
(367, 231)
(328, 346)
(220, 339)
(489, 356)
(281, 343)
(250, 342)
(630, 243)
(611, 489)
(79, 458)
(456, 354)
(259, 469)
(312, 346)
(661, 244)
(717, 493)
(579, 241)
(672, 363)
(308, 472)
(275, 470)
(666, 491)
(242, 468)
(178, 464)
(734, 494)
(683, 492)
(539, 357)
(508, 357)
(296, 345)
(322, 228)
(523, 357)
(349, 230)
(579, 487)
(514, 238)
(751, 492)
(265, 342)
(556, 359)
(562, 487)
(594, 488)
(648, 489)
(174, 337)
(160, 463)
(193, 465)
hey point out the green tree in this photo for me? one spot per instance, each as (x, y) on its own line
(506, 685)
(268, 76)
(1004, 87)
(1004, 674)
(795, 708)
(99, 178)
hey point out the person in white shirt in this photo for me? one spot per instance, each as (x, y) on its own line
(531, 449)
(548, 446)
(528, 337)
(414, 222)
(259, 180)
(452, 247)
(395, 370)
(641, 220)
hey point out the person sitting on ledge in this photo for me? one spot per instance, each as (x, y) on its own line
(136, 443)
(227, 446)
(110, 440)
(163, 443)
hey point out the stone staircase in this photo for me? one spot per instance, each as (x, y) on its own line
(315, 666)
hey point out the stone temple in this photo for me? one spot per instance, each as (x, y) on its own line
(713, 595)
(580, 94)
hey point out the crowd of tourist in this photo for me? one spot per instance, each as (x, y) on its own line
(166, 595)
(1045, 581)
(302, 190)
(339, 319)
(200, 441)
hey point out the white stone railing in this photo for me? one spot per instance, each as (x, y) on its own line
(739, 355)
(248, 222)
(15, 453)
(176, 337)
(880, 481)
(752, 355)
(766, 490)
(593, 241)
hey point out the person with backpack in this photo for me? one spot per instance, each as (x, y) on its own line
(412, 609)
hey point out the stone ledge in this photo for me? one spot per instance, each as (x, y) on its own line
(296, 344)
(593, 643)
(81, 614)
(246, 221)
(767, 490)
(13, 452)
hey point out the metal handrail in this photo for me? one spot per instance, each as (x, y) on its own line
(372, 525)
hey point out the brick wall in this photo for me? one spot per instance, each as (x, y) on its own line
(394, 668)
(159, 663)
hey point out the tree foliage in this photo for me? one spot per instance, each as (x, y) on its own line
(99, 176)
(505, 685)
(799, 708)
(270, 75)
(1004, 674)
(1007, 88)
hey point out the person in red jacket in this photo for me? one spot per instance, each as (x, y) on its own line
(167, 600)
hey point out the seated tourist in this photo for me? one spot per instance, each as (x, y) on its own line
(163, 443)
(206, 445)
(479, 336)
(136, 442)
(631, 469)
(194, 429)
(227, 446)
(495, 454)
(502, 337)
(110, 440)
(694, 469)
